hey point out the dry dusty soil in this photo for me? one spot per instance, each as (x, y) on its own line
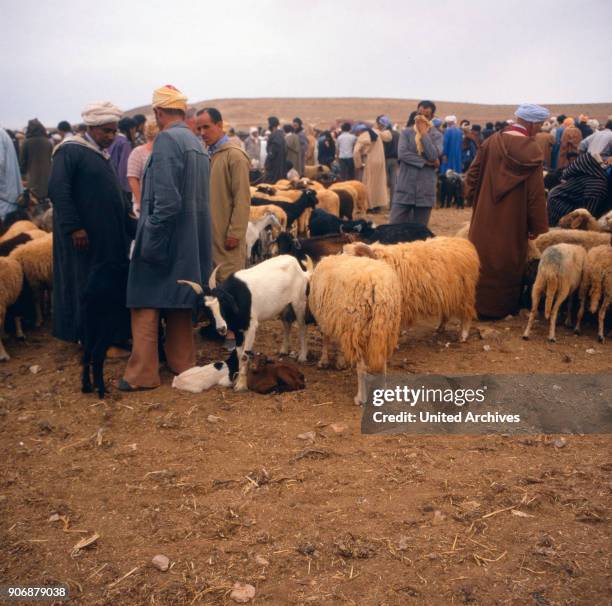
(221, 484)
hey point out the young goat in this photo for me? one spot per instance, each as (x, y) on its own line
(250, 296)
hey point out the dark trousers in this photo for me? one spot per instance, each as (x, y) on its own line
(347, 169)
(401, 213)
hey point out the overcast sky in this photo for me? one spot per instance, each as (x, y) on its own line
(59, 55)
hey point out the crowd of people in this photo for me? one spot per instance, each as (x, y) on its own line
(167, 197)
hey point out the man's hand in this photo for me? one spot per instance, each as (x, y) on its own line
(80, 240)
(231, 243)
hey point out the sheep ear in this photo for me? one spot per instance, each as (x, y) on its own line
(198, 289)
(308, 264)
(576, 222)
(212, 281)
(363, 250)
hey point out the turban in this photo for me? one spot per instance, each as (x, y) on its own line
(169, 97)
(103, 112)
(436, 122)
(359, 128)
(253, 129)
(532, 113)
(384, 121)
(450, 119)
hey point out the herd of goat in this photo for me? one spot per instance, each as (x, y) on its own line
(313, 256)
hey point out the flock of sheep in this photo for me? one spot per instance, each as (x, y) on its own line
(314, 255)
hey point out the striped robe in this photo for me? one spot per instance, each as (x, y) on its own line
(584, 185)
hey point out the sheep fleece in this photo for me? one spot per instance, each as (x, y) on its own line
(438, 277)
(357, 304)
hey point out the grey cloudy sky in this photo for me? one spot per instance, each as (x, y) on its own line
(59, 55)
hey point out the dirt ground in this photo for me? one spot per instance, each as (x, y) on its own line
(223, 486)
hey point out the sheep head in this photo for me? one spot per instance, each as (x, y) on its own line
(359, 249)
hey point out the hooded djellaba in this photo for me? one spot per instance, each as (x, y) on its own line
(35, 158)
(506, 187)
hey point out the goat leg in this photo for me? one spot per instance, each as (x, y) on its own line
(19, 329)
(86, 386)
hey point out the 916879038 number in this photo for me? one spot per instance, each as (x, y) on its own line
(34, 592)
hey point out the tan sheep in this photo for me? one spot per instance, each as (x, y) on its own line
(315, 170)
(329, 201)
(11, 279)
(581, 218)
(362, 196)
(438, 278)
(596, 281)
(16, 228)
(559, 276)
(586, 239)
(36, 260)
(357, 305)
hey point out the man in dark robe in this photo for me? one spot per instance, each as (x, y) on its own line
(276, 149)
(505, 184)
(90, 217)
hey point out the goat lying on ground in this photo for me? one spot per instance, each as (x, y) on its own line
(250, 296)
(201, 378)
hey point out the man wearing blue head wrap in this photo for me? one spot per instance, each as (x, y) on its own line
(506, 187)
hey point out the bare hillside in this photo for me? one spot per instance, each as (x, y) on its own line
(323, 112)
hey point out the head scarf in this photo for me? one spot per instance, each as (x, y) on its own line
(102, 112)
(384, 121)
(169, 97)
(530, 112)
(568, 122)
(450, 119)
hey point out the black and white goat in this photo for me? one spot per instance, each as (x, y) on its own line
(103, 314)
(293, 210)
(251, 296)
(323, 223)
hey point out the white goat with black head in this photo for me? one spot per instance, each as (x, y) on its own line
(250, 296)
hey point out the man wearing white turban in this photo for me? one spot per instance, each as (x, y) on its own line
(506, 188)
(91, 226)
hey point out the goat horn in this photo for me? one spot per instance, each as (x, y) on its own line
(198, 289)
(212, 281)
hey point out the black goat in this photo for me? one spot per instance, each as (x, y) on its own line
(103, 315)
(323, 223)
(315, 248)
(293, 210)
(395, 233)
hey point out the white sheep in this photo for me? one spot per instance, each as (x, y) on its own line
(559, 276)
(357, 304)
(596, 283)
(438, 278)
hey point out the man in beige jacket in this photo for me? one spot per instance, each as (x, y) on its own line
(230, 196)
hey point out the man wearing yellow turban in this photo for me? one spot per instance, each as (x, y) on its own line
(173, 242)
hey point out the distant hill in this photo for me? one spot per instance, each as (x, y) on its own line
(322, 112)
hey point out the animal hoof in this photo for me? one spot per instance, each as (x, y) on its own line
(525, 337)
(302, 359)
(86, 389)
(239, 388)
(552, 340)
(357, 401)
(600, 339)
(5, 358)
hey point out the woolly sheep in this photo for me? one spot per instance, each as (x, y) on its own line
(17, 228)
(559, 275)
(36, 260)
(438, 278)
(586, 239)
(581, 218)
(361, 203)
(11, 279)
(596, 282)
(357, 304)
